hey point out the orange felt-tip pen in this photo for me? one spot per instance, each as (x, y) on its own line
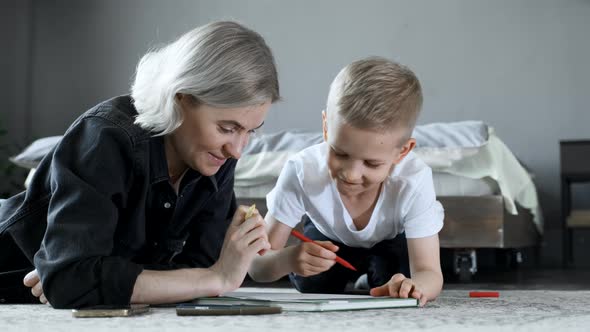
(484, 294)
(306, 239)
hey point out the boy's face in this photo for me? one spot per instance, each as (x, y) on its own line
(359, 160)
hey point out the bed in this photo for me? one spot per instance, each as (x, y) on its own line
(489, 197)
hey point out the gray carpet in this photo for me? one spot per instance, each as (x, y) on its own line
(531, 310)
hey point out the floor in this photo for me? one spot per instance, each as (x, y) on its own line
(522, 279)
(530, 300)
(454, 310)
(528, 279)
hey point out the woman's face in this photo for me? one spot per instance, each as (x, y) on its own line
(209, 136)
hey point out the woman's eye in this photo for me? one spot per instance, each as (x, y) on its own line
(227, 130)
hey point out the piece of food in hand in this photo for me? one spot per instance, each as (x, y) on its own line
(249, 214)
(250, 211)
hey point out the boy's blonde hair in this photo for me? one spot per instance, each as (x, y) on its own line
(376, 93)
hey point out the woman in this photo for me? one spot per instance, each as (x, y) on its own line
(136, 203)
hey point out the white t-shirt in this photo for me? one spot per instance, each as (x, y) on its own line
(407, 201)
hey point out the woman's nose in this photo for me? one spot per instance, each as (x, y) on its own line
(235, 147)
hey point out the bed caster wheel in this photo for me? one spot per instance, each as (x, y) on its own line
(464, 273)
(465, 263)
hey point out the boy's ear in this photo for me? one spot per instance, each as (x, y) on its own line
(406, 148)
(324, 126)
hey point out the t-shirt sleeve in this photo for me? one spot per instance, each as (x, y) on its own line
(285, 201)
(425, 214)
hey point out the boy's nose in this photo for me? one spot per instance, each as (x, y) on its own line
(351, 178)
(352, 174)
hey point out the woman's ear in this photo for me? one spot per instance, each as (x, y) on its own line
(181, 100)
(185, 100)
(406, 148)
(324, 125)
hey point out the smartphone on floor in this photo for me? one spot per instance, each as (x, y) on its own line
(111, 311)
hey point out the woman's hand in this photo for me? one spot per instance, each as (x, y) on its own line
(32, 280)
(311, 258)
(243, 240)
(402, 287)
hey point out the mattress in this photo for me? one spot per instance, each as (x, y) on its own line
(444, 185)
(467, 159)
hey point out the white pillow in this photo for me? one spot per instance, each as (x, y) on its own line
(461, 134)
(439, 145)
(31, 156)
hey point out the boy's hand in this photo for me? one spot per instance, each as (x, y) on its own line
(313, 258)
(243, 240)
(402, 287)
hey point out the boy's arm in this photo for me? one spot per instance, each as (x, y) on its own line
(274, 264)
(426, 282)
(305, 259)
(424, 255)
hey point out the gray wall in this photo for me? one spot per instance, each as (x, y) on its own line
(15, 36)
(15, 56)
(522, 66)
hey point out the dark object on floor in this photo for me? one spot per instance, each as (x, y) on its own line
(12, 289)
(14, 266)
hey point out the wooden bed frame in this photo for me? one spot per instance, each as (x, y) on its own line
(476, 222)
(471, 222)
(483, 222)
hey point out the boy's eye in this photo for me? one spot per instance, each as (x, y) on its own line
(372, 165)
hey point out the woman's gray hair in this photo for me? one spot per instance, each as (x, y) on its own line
(221, 64)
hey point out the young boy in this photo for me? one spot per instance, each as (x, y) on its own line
(361, 193)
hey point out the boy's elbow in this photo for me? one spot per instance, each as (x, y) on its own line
(255, 273)
(253, 276)
(260, 277)
(258, 272)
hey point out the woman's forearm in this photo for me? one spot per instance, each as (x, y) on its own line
(153, 287)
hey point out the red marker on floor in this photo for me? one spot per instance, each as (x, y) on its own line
(484, 294)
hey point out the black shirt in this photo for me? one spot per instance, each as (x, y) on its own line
(100, 209)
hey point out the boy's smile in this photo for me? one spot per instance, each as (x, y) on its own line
(359, 160)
